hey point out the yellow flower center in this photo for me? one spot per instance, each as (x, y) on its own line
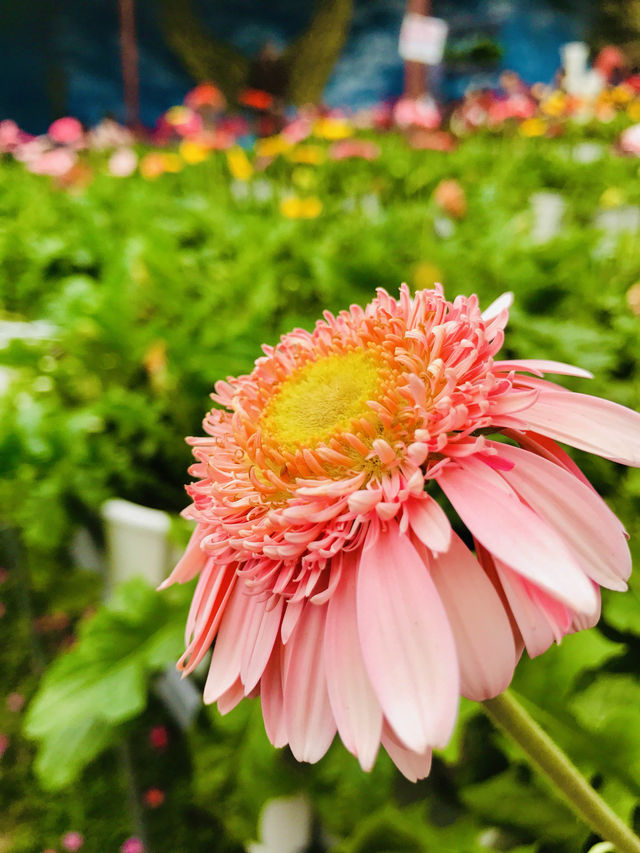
(322, 398)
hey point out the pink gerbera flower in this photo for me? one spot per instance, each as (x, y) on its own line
(330, 576)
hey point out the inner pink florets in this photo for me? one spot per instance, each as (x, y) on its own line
(281, 512)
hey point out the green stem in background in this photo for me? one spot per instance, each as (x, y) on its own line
(506, 712)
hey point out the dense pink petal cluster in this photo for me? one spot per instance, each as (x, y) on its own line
(329, 574)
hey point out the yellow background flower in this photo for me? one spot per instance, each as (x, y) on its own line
(301, 208)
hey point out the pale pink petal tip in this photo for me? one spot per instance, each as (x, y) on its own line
(413, 765)
(356, 709)
(538, 366)
(191, 561)
(502, 303)
(307, 710)
(586, 524)
(407, 644)
(588, 423)
(485, 642)
(512, 532)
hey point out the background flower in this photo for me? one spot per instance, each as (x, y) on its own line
(72, 841)
(132, 845)
(123, 162)
(66, 131)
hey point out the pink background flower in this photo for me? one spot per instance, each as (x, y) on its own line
(630, 140)
(72, 841)
(66, 131)
(15, 702)
(132, 845)
(123, 162)
(159, 737)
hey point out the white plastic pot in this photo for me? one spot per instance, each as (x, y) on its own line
(137, 540)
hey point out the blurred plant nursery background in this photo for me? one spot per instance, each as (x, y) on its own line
(182, 181)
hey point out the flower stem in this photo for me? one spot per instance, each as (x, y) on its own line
(508, 713)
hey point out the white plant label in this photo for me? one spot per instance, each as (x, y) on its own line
(422, 39)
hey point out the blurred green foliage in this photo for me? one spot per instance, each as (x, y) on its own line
(155, 289)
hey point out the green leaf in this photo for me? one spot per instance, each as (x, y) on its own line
(395, 830)
(102, 681)
(509, 800)
(69, 749)
(623, 801)
(554, 676)
(592, 752)
(609, 710)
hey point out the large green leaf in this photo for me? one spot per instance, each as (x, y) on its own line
(554, 675)
(102, 681)
(528, 804)
(69, 748)
(554, 691)
(410, 830)
(609, 710)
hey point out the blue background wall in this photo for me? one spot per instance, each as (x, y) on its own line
(41, 38)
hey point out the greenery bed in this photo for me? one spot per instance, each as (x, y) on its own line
(155, 289)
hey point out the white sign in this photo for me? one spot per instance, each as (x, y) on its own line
(422, 39)
(579, 79)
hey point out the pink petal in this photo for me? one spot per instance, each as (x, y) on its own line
(538, 366)
(558, 616)
(231, 697)
(364, 501)
(334, 577)
(589, 423)
(548, 448)
(227, 652)
(355, 707)
(581, 621)
(514, 533)
(582, 518)
(417, 452)
(484, 640)
(406, 641)
(502, 303)
(191, 561)
(429, 522)
(206, 582)
(387, 510)
(261, 633)
(207, 609)
(517, 400)
(538, 631)
(309, 720)
(413, 765)
(272, 698)
(290, 619)
(384, 451)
